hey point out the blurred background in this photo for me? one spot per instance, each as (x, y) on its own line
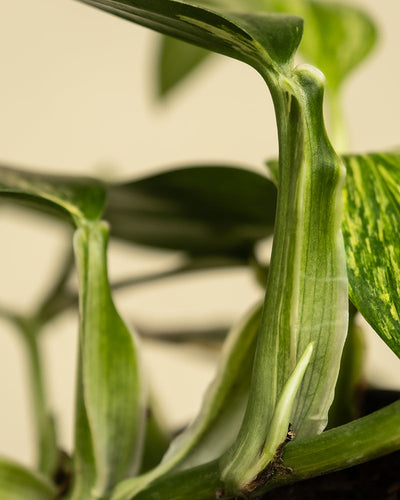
(77, 96)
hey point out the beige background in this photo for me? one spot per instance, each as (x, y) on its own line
(76, 96)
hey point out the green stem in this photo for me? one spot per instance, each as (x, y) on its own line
(200, 483)
(364, 439)
(47, 451)
(357, 442)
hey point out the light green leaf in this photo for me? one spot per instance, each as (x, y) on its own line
(110, 408)
(279, 430)
(364, 439)
(75, 197)
(19, 483)
(199, 209)
(266, 42)
(371, 229)
(337, 36)
(218, 422)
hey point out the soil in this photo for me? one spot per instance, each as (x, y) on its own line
(378, 479)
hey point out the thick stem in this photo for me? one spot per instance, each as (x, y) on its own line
(355, 443)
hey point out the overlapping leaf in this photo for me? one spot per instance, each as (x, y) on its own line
(263, 41)
(76, 197)
(17, 483)
(337, 37)
(336, 40)
(371, 230)
(201, 210)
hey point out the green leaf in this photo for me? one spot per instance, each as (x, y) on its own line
(19, 483)
(306, 296)
(336, 40)
(219, 419)
(201, 210)
(279, 430)
(337, 36)
(110, 407)
(263, 41)
(176, 60)
(371, 229)
(75, 197)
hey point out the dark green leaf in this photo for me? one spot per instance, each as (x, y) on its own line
(19, 483)
(371, 230)
(263, 41)
(336, 39)
(176, 60)
(196, 209)
(76, 197)
(337, 36)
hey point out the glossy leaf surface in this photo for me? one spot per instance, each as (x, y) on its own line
(336, 39)
(200, 209)
(371, 230)
(110, 408)
(17, 483)
(261, 40)
(77, 197)
(337, 36)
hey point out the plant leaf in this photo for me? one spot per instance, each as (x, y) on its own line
(336, 40)
(263, 41)
(176, 60)
(111, 394)
(306, 296)
(76, 197)
(218, 422)
(18, 482)
(371, 229)
(337, 37)
(199, 209)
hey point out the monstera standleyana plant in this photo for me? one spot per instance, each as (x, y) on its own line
(288, 369)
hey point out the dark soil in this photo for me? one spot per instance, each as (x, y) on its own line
(375, 480)
(378, 479)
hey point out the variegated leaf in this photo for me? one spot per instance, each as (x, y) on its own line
(75, 197)
(371, 230)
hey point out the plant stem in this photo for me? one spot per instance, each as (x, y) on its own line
(364, 439)
(357, 442)
(47, 451)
